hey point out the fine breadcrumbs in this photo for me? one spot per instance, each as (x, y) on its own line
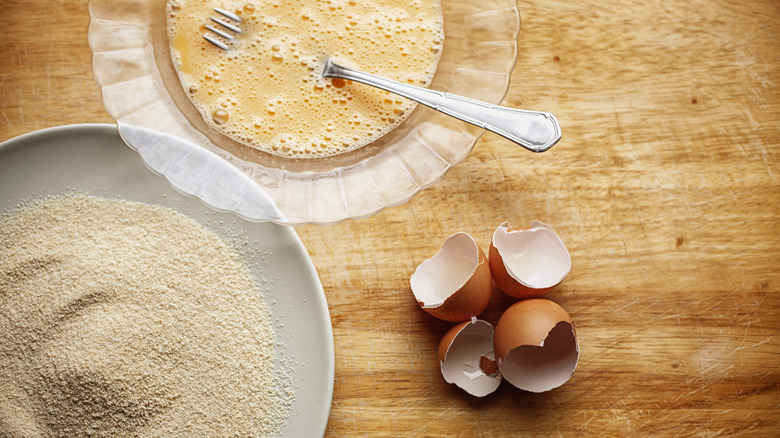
(124, 319)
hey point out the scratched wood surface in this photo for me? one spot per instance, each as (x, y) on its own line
(664, 187)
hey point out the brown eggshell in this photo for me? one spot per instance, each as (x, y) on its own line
(446, 341)
(455, 284)
(467, 359)
(535, 344)
(527, 263)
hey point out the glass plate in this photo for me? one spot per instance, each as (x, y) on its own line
(132, 64)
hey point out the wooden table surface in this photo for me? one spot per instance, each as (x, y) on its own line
(664, 188)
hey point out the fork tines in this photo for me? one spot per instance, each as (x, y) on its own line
(224, 24)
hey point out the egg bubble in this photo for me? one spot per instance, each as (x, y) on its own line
(220, 116)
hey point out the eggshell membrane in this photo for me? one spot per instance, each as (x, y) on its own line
(536, 345)
(528, 263)
(465, 351)
(455, 284)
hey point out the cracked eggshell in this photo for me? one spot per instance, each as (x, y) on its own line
(536, 345)
(455, 284)
(528, 263)
(467, 359)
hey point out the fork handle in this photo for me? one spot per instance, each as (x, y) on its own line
(536, 131)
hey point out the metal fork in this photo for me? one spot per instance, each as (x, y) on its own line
(536, 131)
(225, 25)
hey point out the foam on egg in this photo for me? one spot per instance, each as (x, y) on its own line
(266, 91)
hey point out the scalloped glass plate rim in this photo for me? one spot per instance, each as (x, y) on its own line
(294, 195)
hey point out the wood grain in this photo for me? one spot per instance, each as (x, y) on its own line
(664, 187)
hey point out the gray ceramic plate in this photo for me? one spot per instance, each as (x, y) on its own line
(92, 159)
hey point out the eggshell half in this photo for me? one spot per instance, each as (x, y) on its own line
(536, 345)
(455, 284)
(528, 263)
(467, 360)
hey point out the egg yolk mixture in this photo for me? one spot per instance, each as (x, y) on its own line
(267, 92)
